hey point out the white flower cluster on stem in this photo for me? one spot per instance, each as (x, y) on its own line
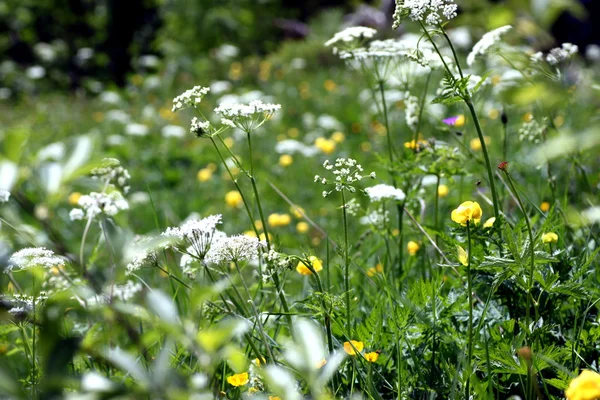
(33, 257)
(430, 12)
(189, 98)
(487, 42)
(347, 171)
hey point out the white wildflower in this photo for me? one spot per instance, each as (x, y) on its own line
(200, 128)
(136, 129)
(172, 131)
(127, 291)
(95, 204)
(291, 146)
(247, 117)
(563, 53)
(383, 192)
(349, 36)
(235, 249)
(189, 98)
(76, 214)
(487, 42)
(430, 12)
(33, 257)
(346, 171)
(112, 172)
(4, 195)
(411, 113)
(377, 218)
(197, 233)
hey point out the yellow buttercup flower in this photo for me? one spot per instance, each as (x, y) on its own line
(233, 199)
(278, 220)
(302, 227)
(443, 191)
(463, 257)
(327, 146)
(317, 265)
(204, 174)
(338, 137)
(550, 237)
(285, 160)
(329, 85)
(460, 121)
(585, 387)
(489, 223)
(475, 144)
(412, 247)
(74, 198)
(545, 206)
(238, 379)
(372, 356)
(378, 269)
(258, 362)
(467, 211)
(413, 145)
(359, 346)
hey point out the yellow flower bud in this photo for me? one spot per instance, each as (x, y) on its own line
(443, 191)
(412, 247)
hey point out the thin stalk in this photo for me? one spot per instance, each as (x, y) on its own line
(86, 230)
(255, 189)
(256, 314)
(237, 186)
(486, 157)
(33, 337)
(387, 130)
(531, 245)
(436, 205)
(470, 328)
(346, 267)
(421, 108)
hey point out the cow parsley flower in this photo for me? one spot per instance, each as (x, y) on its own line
(94, 204)
(189, 98)
(380, 58)
(236, 248)
(198, 234)
(411, 113)
(377, 218)
(112, 172)
(430, 12)
(200, 128)
(33, 257)
(487, 42)
(144, 258)
(563, 53)
(350, 38)
(4, 196)
(384, 192)
(247, 117)
(346, 171)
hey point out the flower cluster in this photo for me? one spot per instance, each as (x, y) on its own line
(235, 248)
(532, 130)
(21, 304)
(377, 218)
(347, 171)
(200, 128)
(112, 171)
(347, 38)
(198, 234)
(557, 55)
(431, 12)
(487, 42)
(95, 204)
(384, 192)
(411, 113)
(34, 257)
(4, 195)
(189, 98)
(247, 117)
(146, 257)
(380, 58)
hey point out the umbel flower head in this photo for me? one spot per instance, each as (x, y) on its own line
(189, 98)
(350, 38)
(486, 43)
(430, 12)
(33, 257)
(467, 212)
(585, 387)
(94, 204)
(198, 234)
(347, 171)
(236, 248)
(383, 192)
(247, 117)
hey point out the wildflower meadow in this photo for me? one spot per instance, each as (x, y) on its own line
(406, 209)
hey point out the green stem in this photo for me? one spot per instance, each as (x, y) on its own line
(387, 131)
(486, 157)
(33, 357)
(470, 299)
(531, 246)
(346, 267)
(256, 314)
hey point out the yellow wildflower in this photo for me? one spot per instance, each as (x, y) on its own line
(293, 132)
(460, 121)
(238, 379)
(463, 257)
(372, 356)
(302, 227)
(233, 199)
(527, 117)
(412, 247)
(327, 146)
(489, 223)
(274, 398)
(321, 363)
(350, 348)
(467, 211)
(545, 206)
(204, 174)
(585, 387)
(235, 71)
(338, 137)
(74, 198)
(285, 160)
(316, 264)
(475, 144)
(415, 145)
(258, 362)
(550, 237)
(329, 85)
(443, 191)
(297, 211)
(278, 220)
